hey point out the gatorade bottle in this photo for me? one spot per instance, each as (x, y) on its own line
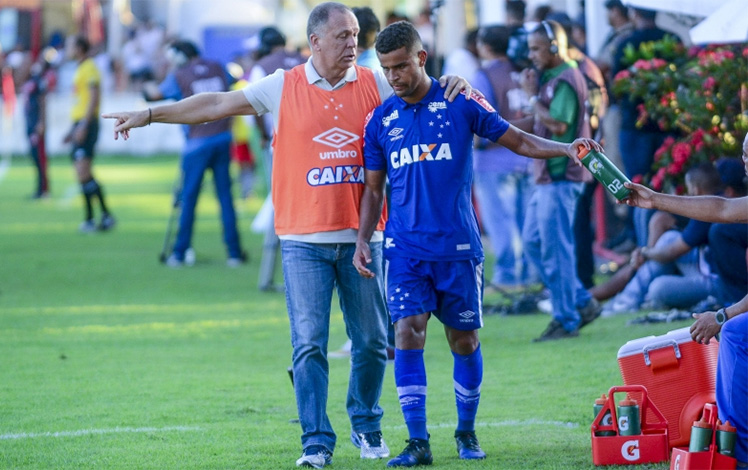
(628, 418)
(701, 436)
(604, 171)
(607, 419)
(725, 437)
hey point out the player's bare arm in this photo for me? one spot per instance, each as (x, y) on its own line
(713, 209)
(371, 208)
(197, 109)
(533, 146)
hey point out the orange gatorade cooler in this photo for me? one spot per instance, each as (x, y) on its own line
(679, 375)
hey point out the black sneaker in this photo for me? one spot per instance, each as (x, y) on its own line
(554, 331)
(590, 312)
(417, 452)
(315, 457)
(467, 445)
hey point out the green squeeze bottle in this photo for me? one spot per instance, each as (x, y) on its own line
(604, 171)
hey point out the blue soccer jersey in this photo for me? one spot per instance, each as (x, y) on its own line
(427, 150)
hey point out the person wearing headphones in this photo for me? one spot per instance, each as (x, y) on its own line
(557, 112)
(206, 146)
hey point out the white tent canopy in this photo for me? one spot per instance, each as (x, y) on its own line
(728, 24)
(725, 21)
(683, 7)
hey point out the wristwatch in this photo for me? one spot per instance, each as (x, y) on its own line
(720, 317)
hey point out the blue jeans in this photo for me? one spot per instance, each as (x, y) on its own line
(677, 284)
(549, 243)
(311, 272)
(200, 155)
(502, 199)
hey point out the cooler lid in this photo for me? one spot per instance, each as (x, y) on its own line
(671, 338)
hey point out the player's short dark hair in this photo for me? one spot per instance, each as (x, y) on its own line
(321, 14)
(368, 23)
(397, 35)
(496, 37)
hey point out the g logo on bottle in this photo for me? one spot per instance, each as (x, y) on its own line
(623, 423)
(630, 450)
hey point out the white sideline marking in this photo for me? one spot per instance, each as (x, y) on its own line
(511, 422)
(118, 430)
(87, 432)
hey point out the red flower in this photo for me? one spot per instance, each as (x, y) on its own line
(709, 83)
(637, 179)
(623, 74)
(681, 153)
(658, 63)
(642, 64)
(658, 178)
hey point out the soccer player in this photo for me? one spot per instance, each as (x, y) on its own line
(85, 131)
(423, 144)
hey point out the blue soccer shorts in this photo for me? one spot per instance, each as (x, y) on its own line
(451, 290)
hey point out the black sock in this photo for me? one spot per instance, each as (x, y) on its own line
(86, 189)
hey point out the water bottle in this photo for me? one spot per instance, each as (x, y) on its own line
(726, 437)
(701, 436)
(604, 171)
(607, 418)
(629, 423)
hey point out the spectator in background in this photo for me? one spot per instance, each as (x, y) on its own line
(515, 20)
(85, 131)
(637, 143)
(610, 126)
(271, 56)
(136, 61)
(621, 27)
(369, 28)
(503, 182)
(464, 60)
(151, 38)
(35, 110)
(557, 113)
(207, 146)
(596, 106)
(241, 153)
(579, 35)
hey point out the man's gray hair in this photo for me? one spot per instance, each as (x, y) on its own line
(320, 15)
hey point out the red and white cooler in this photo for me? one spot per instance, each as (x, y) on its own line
(679, 375)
